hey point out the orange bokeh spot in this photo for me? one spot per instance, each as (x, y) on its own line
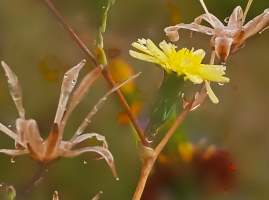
(175, 15)
(186, 151)
(231, 167)
(119, 69)
(226, 135)
(135, 109)
(163, 159)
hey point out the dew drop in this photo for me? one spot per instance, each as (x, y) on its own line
(104, 98)
(117, 179)
(85, 162)
(9, 126)
(12, 160)
(209, 32)
(221, 84)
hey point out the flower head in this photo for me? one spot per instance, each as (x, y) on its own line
(226, 39)
(183, 62)
(27, 136)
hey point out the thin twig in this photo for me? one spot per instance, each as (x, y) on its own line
(105, 72)
(149, 164)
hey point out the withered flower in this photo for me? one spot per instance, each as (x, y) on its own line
(226, 39)
(27, 137)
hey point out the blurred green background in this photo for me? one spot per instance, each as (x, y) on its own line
(30, 35)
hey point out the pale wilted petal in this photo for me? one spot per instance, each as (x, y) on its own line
(55, 196)
(235, 19)
(156, 51)
(90, 135)
(78, 95)
(11, 134)
(69, 82)
(257, 24)
(97, 196)
(14, 152)
(210, 93)
(100, 150)
(216, 23)
(21, 126)
(99, 105)
(34, 153)
(144, 57)
(33, 138)
(14, 88)
(172, 31)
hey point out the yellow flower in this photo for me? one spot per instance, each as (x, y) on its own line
(183, 62)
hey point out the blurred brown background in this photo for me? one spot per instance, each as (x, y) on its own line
(31, 36)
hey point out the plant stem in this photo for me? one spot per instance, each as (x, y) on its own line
(32, 182)
(149, 164)
(105, 72)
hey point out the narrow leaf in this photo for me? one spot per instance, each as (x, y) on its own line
(14, 88)
(97, 106)
(69, 82)
(100, 150)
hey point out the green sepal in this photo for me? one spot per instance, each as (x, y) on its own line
(100, 54)
(168, 95)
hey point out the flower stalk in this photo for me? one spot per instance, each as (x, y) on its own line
(105, 72)
(150, 162)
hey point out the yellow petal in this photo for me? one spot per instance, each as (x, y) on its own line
(142, 41)
(156, 52)
(196, 79)
(200, 53)
(213, 73)
(167, 48)
(212, 69)
(210, 93)
(144, 57)
(141, 48)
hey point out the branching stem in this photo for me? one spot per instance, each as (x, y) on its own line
(105, 72)
(21, 192)
(149, 164)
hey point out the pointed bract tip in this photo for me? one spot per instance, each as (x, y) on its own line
(3, 64)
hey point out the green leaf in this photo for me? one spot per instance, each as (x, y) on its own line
(168, 95)
(101, 18)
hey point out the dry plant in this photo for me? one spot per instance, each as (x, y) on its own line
(185, 64)
(226, 39)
